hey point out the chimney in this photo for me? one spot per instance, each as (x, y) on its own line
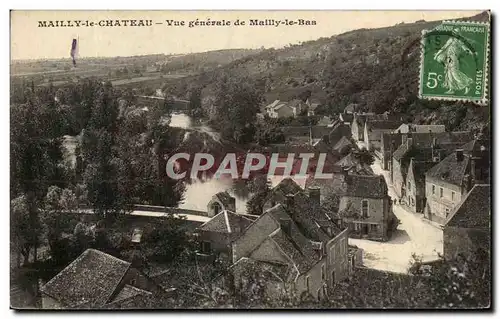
(460, 156)
(314, 195)
(289, 201)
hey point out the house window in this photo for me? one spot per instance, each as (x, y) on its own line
(440, 192)
(307, 284)
(447, 212)
(364, 208)
(409, 186)
(373, 227)
(433, 189)
(319, 294)
(323, 272)
(452, 195)
(132, 282)
(332, 254)
(205, 247)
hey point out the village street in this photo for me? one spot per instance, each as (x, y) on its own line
(414, 235)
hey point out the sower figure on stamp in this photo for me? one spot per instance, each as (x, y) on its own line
(449, 55)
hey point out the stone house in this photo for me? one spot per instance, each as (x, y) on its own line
(389, 144)
(217, 235)
(299, 242)
(219, 202)
(366, 207)
(415, 185)
(278, 194)
(422, 147)
(417, 128)
(337, 132)
(468, 228)
(373, 131)
(279, 109)
(96, 280)
(447, 183)
(358, 126)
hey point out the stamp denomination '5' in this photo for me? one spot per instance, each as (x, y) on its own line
(454, 62)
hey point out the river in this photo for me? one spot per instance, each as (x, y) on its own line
(199, 193)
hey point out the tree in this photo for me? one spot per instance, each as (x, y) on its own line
(25, 232)
(364, 157)
(195, 109)
(55, 219)
(260, 187)
(237, 102)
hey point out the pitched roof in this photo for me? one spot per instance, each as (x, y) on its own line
(271, 270)
(383, 124)
(224, 197)
(475, 209)
(226, 222)
(347, 117)
(338, 131)
(351, 108)
(273, 105)
(452, 170)
(342, 143)
(89, 281)
(366, 186)
(419, 169)
(418, 128)
(129, 291)
(287, 186)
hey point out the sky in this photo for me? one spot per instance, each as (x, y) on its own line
(29, 41)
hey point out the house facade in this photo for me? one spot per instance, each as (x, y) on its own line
(301, 242)
(367, 208)
(448, 182)
(216, 236)
(417, 128)
(467, 231)
(373, 131)
(415, 198)
(279, 109)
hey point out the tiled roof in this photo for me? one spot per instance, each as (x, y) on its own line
(89, 281)
(419, 169)
(383, 125)
(273, 105)
(224, 197)
(129, 292)
(287, 186)
(337, 132)
(366, 186)
(475, 209)
(226, 222)
(452, 170)
(347, 117)
(342, 143)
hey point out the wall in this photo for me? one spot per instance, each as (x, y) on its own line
(336, 253)
(436, 206)
(397, 178)
(464, 240)
(50, 303)
(253, 236)
(378, 213)
(315, 281)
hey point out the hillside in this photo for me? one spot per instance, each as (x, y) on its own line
(375, 68)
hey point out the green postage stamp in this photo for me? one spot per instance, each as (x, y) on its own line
(455, 62)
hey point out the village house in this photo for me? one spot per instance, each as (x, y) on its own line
(366, 207)
(96, 280)
(415, 195)
(299, 242)
(217, 235)
(346, 118)
(373, 131)
(220, 202)
(359, 122)
(351, 108)
(339, 131)
(279, 192)
(448, 182)
(422, 147)
(467, 230)
(311, 107)
(389, 144)
(417, 128)
(279, 109)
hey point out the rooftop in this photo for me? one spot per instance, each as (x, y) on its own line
(89, 281)
(475, 209)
